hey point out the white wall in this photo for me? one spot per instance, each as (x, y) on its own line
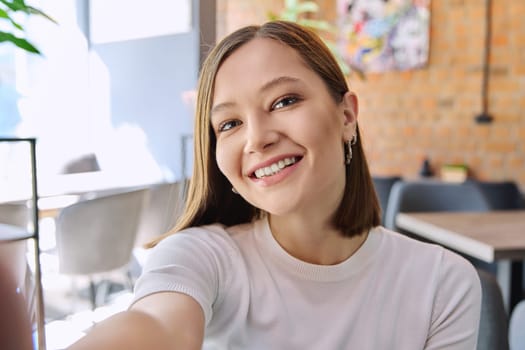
(123, 101)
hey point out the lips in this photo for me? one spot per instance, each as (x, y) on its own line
(275, 167)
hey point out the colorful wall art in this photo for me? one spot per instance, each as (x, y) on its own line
(384, 35)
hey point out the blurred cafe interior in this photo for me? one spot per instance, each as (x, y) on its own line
(96, 130)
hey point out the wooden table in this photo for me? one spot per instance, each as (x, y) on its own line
(496, 236)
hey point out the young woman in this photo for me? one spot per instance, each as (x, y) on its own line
(280, 245)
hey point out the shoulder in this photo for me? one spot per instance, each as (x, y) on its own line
(397, 242)
(450, 281)
(436, 262)
(458, 279)
(211, 238)
(201, 262)
(215, 246)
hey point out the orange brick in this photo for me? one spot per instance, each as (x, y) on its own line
(502, 147)
(506, 117)
(501, 132)
(495, 161)
(521, 132)
(516, 164)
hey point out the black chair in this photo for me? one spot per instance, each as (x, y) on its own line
(430, 196)
(501, 195)
(493, 324)
(383, 186)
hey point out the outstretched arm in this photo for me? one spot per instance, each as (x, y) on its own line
(166, 320)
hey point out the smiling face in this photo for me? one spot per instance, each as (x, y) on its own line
(279, 132)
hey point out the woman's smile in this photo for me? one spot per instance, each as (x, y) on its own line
(275, 167)
(276, 170)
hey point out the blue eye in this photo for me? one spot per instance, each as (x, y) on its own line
(284, 102)
(228, 125)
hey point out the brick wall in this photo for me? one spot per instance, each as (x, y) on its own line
(407, 116)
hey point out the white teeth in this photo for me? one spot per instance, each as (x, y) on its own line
(275, 167)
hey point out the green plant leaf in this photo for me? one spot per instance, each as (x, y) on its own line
(272, 16)
(4, 14)
(7, 4)
(20, 5)
(307, 6)
(21, 43)
(290, 4)
(293, 8)
(318, 25)
(14, 5)
(289, 16)
(34, 11)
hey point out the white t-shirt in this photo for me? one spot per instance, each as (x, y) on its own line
(393, 293)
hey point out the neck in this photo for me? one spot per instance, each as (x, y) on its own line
(314, 241)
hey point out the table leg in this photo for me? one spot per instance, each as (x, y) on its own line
(516, 291)
(509, 277)
(504, 281)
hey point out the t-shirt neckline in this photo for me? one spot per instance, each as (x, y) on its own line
(308, 271)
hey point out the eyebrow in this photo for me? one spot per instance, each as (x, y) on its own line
(277, 81)
(221, 106)
(267, 86)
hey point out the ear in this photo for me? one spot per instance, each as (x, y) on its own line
(350, 111)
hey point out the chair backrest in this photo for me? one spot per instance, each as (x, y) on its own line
(517, 327)
(383, 186)
(98, 235)
(420, 196)
(16, 214)
(162, 208)
(502, 195)
(493, 324)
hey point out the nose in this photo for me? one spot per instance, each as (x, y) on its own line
(261, 133)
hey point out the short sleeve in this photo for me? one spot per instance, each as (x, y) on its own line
(191, 262)
(457, 305)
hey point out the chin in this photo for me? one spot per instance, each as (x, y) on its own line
(277, 210)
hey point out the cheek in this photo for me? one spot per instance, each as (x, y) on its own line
(326, 138)
(225, 160)
(322, 134)
(221, 159)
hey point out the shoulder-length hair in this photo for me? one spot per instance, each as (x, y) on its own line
(210, 198)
